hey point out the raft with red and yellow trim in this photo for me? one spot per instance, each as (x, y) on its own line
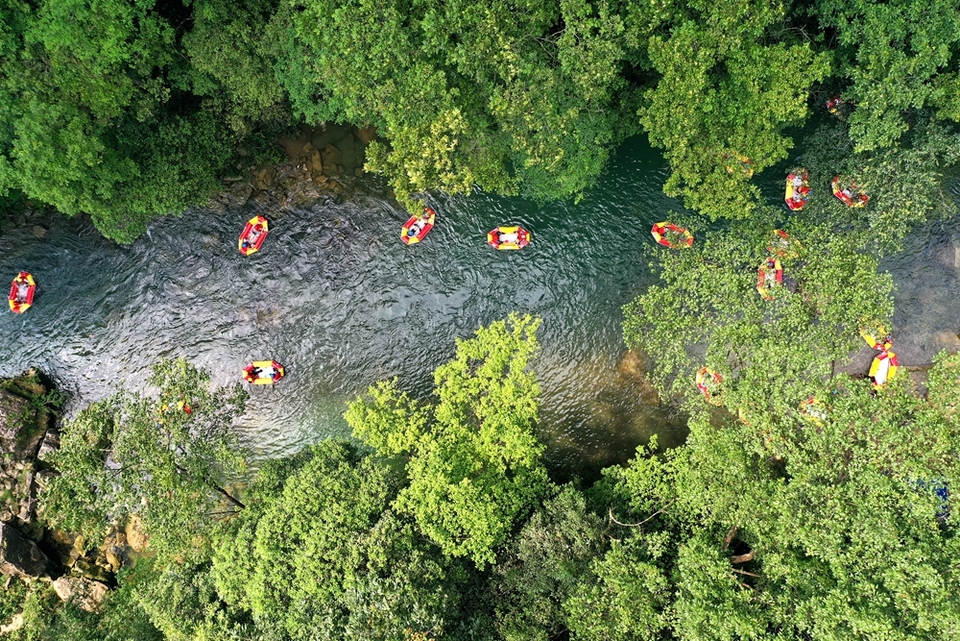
(738, 163)
(783, 246)
(883, 368)
(769, 275)
(417, 227)
(708, 382)
(672, 236)
(508, 238)
(798, 189)
(263, 372)
(253, 235)
(22, 290)
(813, 410)
(848, 192)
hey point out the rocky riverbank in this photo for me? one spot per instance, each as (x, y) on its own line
(325, 161)
(29, 412)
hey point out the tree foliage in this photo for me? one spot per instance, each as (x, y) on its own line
(166, 458)
(473, 461)
(324, 556)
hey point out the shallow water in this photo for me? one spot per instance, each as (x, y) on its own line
(337, 298)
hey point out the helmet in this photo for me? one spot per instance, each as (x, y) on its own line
(258, 226)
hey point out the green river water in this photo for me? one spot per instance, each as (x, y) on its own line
(337, 298)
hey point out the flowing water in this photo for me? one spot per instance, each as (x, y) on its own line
(337, 298)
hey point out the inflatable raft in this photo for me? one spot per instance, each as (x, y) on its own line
(508, 238)
(783, 246)
(253, 235)
(798, 189)
(22, 290)
(813, 410)
(417, 227)
(738, 163)
(670, 235)
(263, 372)
(848, 191)
(708, 382)
(769, 275)
(883, 368)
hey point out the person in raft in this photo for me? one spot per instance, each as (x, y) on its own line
(23, 288)
(512, 237)
(418, 225)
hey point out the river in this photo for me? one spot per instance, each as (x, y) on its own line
(337, 298)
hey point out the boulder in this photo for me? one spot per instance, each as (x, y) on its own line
(265, 178)
(20, 556)
(136, 537)
(367, 134)
(92, 567)
(332, 155)
(315, 163)
(85, 594)
(19, 433)
(39, 231)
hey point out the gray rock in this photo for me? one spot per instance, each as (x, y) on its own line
(19, 556)
(86, 594)
(39, 231)
(19, 436)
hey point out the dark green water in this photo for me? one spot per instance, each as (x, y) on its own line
(337, 298)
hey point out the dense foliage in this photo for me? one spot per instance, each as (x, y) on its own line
(165, 458)
(773, 521)
(128, 111)
(769, 523)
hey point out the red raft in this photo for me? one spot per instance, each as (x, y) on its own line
(253, 235)
(769, 275)
(22, 290)
(508, 238)
(798, 189)
(417, 227)
(849, 192)
(670, 235)
(263, 372)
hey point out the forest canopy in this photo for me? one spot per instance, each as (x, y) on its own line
(129, 111)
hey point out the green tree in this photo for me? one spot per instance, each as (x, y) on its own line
(103, 112)
(321, 555)
(771, 354)
(466, 93)
(899, 58)
(732, 77)
(473, 461)
(166, 458)
(541, 567)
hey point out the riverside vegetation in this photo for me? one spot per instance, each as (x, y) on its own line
(440, 521)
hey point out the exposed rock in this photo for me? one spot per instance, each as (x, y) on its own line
(14, 624)
(265, 178)
(19, 556)
(39, 231)
(49, 443)
(367, 134)
(85, 594)
(114, 557)
(90, 569)
(18, 422)
(136, 538)
(237, 196)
